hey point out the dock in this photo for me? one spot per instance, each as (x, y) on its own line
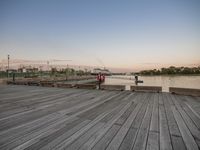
(35, 117)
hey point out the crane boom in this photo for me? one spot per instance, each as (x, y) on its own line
(21, 61)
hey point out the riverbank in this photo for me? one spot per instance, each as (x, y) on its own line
(172, 70)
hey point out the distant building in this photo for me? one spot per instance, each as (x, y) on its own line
(32, 70)
(28, 69)
(11, 70)
(22, 70)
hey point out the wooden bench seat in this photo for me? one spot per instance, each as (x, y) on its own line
(86, 86)
(64, 85)
(147, 88)
(185, 91)
(113, 87)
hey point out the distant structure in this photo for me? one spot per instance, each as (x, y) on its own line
(28, 69)
(104, 71)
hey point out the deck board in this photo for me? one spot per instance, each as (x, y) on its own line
(177, 141)
(165, 139)
(153, 135)
(46, 118)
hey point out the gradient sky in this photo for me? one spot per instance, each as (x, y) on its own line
(135, 34)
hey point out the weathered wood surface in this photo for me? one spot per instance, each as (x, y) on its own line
(185, 91)
(86, 86)
(33, 117)
(64, 85)
(146, 88)
(113, 87)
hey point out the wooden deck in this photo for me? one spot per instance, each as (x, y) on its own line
(52, 118)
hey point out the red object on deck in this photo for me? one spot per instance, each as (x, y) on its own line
(101, 77)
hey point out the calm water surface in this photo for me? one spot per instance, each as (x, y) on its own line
(164, 81)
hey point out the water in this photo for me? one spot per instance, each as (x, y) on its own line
(164, 81)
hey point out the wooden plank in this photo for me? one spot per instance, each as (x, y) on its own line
(138, 120)
(35, 123)
(45, 130)
(6, 124)
(64, 85)
(129, 139)
(187, 137)
(47, 84)
(142, 136)
(83, 130)
(49, 130)
(13, 135)
(115, 143)
(97, 136)
(62, 131)
(173, 128)
(126, 114)
(153, 137)
(83, 138)
(155, 115)
(66, 134)
(141, 123)
(153, 141)
(86, 86)
(187, 120)
(92, 113)
(38, 97)
(185, 91)
(106, 139)
(40, 105)
(165, 141)
(119, 120)
(191, 112)
(175, 134)
(193, 104)
(113, 87)
(58, 114)
(26, 141)
(52, 99)
(147, 88)
(178, 143)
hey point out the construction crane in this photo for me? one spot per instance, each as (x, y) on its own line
(23, 62)
(55, 60)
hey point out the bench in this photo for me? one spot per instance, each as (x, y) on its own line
(35, 83)
(64, 85)
(86, 86)
(113, 87)
(147, 88)
(184, 91)
(20, 82)
(47, 84)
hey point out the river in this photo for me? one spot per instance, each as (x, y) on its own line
(164, 81)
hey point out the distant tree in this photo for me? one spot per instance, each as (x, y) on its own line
(171, 70)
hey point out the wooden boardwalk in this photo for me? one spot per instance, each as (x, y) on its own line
(52, 118)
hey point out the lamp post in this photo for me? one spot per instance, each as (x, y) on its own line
(8, 66)
(67, 72)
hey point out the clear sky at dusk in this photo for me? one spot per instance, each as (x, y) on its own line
(135, 34)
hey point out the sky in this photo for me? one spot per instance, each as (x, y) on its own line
(125, 34)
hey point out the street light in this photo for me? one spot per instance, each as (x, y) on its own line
(8, 65)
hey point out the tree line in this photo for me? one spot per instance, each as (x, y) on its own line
(172, 71)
